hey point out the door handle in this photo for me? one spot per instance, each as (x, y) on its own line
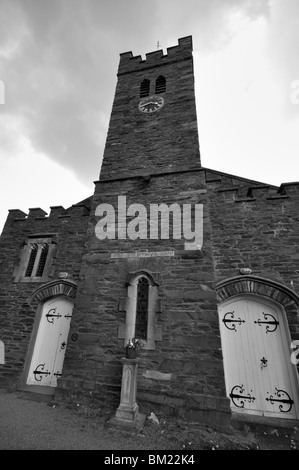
(264, 362)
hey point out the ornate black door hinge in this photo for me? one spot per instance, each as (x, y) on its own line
(237, 396)
(273, 322)
(283, 398)
(232, 321)
(41, 372)
(51, 315)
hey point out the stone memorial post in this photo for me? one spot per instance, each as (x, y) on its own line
(127, 416)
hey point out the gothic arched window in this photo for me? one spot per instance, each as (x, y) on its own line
(36, 266)
(36, 258)
(33, 253)
(142, 308)
(42, 259)
(160, 84)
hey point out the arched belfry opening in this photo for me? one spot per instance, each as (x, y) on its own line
(160, 85)
(144, 88)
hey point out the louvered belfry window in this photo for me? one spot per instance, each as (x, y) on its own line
(160, 84)
(144, 88)
(142, 308)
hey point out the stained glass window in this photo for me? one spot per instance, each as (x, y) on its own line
(142, 308)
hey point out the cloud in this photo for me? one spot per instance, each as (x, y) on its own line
(59, 74)
(210, 22)
(60, 58)
(282, 51)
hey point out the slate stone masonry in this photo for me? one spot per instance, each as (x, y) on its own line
(247, 225)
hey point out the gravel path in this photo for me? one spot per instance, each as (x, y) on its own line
(34, 425)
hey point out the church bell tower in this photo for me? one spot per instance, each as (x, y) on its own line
(153, 125)
(133, 284)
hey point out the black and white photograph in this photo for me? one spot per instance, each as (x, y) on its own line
(149, 227)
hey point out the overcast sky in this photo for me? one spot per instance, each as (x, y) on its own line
(58, 65)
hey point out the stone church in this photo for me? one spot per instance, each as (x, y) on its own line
(218, 314)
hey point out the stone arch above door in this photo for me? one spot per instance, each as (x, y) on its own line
(268, 288)
(50, 289)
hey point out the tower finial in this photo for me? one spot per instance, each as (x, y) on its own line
(158, 45)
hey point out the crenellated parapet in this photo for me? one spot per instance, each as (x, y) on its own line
(238, 189)
(129, 63)
(14, 214)
(36, 215)
(57, 211)
(291, 188)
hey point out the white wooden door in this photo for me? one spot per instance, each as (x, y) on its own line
(50, 346)
(259, 375)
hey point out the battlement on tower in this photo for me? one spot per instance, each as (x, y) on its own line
(129, 63)
(38, 220)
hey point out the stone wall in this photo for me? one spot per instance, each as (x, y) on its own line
(153, 160)
(246, 225)
(184, 373)
(256, 226)
(16, 315)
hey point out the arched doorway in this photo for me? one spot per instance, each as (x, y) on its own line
(51, 341)
(53, 303)
(256, 345)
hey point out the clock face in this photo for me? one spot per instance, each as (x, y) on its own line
(150, 104)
